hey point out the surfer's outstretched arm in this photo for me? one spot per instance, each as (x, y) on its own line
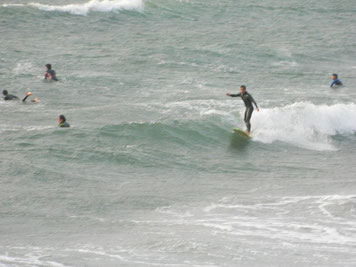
(234, 95)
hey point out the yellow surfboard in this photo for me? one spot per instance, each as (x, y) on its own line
(242, 133)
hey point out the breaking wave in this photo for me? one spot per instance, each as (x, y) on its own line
(85, 8)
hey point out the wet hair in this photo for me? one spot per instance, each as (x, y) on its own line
(63, 119)
(49, 66)
(243, 86)
(335, 75)
(5, 92)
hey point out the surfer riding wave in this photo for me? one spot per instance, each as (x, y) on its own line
(249, 101)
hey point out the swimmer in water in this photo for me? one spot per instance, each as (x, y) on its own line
(50, 74)
(35, 100)
(62, 121)
(335, 81)
(248, 100)
(7, 96)
(13, 97)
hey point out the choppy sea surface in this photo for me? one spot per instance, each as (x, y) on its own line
(151, 173)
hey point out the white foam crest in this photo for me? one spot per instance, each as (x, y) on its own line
(169, 211)
(85, 8)
(304, 124)
(29, 259)
(307, 219)
(26, 128)
(291, 231)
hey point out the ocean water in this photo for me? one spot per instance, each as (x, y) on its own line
(150, 173)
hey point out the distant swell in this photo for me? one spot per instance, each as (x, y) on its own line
(85, 8)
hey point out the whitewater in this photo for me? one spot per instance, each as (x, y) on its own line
(85, 8)
(150, 173)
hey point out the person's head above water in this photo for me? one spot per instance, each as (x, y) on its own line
(242, 89)
(334, 76)
(5, 92)
(61, 119)
(48, 66)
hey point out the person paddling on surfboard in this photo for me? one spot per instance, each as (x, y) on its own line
(248, 100)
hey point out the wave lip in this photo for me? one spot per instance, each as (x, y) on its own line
(85, 8)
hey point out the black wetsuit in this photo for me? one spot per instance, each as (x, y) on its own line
(10, 97)
(51, 74)
(248, 100)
